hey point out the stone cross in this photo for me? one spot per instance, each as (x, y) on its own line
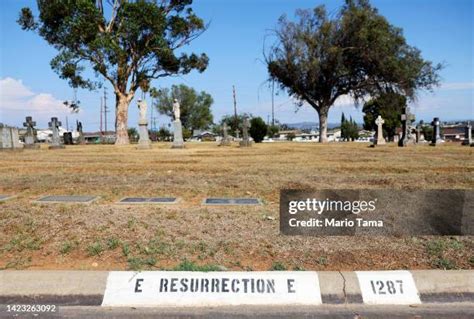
(379, 140)
(225, 136)
(245, 133)
(467, 134)
(30, 137)
(54, 126)
(436, 139)
(419, 137)
(407, 118)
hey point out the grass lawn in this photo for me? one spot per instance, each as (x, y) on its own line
(104, 235)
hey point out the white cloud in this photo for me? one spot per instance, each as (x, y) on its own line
(18, 101)
(457, 86)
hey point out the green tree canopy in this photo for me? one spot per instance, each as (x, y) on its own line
(258, 129)
(390, 107)
(195, 107)
(129, 43)
(349, 129)
(358, 53)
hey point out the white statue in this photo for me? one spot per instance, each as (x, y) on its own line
(142, 107)
(176, 110)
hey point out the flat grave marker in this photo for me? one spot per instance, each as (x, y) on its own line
(67, 199)
(149, 200)
(5, 197)
(232, 201)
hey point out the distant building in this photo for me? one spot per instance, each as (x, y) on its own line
(286, 134)
(453, 133)
(99, 137)
(203, 136)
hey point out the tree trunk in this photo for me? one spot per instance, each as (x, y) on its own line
(323, 125)
(121, 119)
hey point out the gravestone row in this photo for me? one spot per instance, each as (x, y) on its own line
(407, 137)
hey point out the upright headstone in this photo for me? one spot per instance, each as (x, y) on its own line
(467, 134)
(178, 141)
(67, 138)
(245, 134)
(144, 140)
(30, 136)
(420, 137)
(80, 139)
(436, 139)
(379, 140)
(225, 136)
(55, 140)
(9, 139)
(407, 118)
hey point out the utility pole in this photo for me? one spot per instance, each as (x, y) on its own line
(235, 113)
(101, 110)
(273, 102)
(105, 108)
(151, 115)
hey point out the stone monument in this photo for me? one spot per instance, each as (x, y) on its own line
(225, 136)
(80, 139)
(436, 139)
(379, 140)
(144, 140)
(467, 134)
(9, 139)
(420, 137)
(30, 136)
(407, 118)
(67, 138)
(55, 140)
(245, 134)
(178, 141)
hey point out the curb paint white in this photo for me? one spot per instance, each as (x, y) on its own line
(388, 287)
(169, 288)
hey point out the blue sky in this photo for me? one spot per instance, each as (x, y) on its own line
(443, 30)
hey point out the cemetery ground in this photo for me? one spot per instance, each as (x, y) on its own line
(191, 236)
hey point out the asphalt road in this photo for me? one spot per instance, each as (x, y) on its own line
(452, 310)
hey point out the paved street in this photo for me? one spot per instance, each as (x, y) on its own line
(452, 310)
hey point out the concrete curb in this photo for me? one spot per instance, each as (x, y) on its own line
(86, 288)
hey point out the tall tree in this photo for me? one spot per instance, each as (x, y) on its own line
(195, 107)
(390, 107)
(357, 53)
(343, 127)
(134, 44)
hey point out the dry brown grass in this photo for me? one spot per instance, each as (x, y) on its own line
(104, 235)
